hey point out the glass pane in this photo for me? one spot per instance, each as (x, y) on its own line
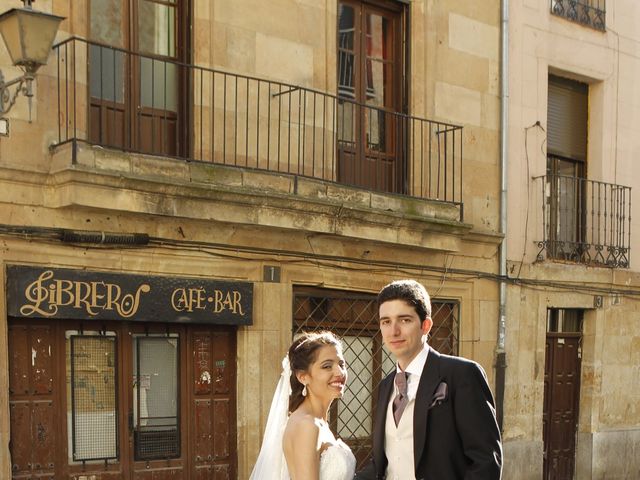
(345, 27)
(155, 397)
(567, 209)
(375, 125)
(346, 57)
(91, 380)
(158, 84)
(106, 22)
(378, 37)
(107, 73)
(376, 83)
(156, 29)
(346, 74)
(346, 123)
(354, 416)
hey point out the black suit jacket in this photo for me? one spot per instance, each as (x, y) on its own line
(455, 437)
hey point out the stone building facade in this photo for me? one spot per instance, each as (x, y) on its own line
(195, 181)
(573, 337)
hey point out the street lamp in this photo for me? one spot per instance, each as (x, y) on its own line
(28, 36)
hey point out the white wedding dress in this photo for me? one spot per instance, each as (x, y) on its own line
(337, 462)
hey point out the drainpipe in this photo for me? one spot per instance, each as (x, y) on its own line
(501, 354)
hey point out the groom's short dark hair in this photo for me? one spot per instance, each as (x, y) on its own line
(411, 292)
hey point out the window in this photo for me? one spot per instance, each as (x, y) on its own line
(586, 220)
(156, 396)
(92, 394)
(566, 170)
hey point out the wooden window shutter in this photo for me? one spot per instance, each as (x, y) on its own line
(567, 118)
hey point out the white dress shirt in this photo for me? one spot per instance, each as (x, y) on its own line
(399, 439)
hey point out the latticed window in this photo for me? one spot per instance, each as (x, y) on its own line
(354, 317)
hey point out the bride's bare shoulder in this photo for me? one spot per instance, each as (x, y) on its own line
(301, 425)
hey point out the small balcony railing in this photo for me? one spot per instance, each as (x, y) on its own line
(591, 13)
(585, 221)
(138, 103)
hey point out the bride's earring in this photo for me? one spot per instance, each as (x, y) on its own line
(304, 390)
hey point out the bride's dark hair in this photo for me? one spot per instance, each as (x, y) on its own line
(302, 354)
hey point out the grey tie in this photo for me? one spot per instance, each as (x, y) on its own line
(401, 400)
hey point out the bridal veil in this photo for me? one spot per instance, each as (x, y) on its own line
(271, 464)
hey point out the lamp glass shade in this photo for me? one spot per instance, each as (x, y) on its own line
(28, 35)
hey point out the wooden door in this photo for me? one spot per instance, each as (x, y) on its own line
(370, 72)
(118, 401)
(561, 399)
(212, 397)
(33, 401)
(138, 90)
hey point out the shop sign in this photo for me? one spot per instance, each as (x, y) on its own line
(79, 294)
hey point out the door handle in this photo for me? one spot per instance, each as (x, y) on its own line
(130, 422)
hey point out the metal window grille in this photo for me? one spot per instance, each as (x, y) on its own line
(354, 317)
(156, 397)
(94, 413)
(591, 13)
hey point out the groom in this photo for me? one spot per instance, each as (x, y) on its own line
(436, 416)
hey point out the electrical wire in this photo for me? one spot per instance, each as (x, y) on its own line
(263, 254)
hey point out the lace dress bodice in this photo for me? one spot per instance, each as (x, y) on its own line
(337, 462)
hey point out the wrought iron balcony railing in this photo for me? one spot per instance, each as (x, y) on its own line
(139, 103)
(591, 13)
(585, 221)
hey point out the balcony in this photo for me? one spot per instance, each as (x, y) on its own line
(591, 13)
(125, 101)
(585, 221)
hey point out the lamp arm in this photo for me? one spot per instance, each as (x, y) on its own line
(23, 84)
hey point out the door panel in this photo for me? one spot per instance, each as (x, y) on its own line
(19, 353)
(204, 436)
(20, 415)
(41, 360)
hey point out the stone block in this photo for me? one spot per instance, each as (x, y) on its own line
(110, 160)
(522, 459)
(615, 454)
(268, 181)
(347, 195)
(616, 349)
(241, 50)
(217, 174)
(284, 60)
(466, 70)
(474, 37)
(159, 167)
(458, 104)
(312, 189)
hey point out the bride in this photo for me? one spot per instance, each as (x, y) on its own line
(298, 443)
